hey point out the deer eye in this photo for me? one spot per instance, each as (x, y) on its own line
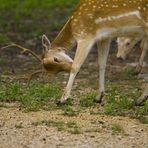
(127, 44)
(56, 60)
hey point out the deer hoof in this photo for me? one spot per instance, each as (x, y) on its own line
(141, 100)
(61, 103)
(100, 98)
(138, 69)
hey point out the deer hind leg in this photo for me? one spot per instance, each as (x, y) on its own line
(143, 54)
(83, 48)
(103, 50)
(143, 97)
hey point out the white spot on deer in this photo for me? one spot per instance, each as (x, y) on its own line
(75, 20)
(114, 6)
(144, 8)
(136, 13)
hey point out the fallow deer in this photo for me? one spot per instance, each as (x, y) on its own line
(95, 21)
(126, 45)
(99, 21)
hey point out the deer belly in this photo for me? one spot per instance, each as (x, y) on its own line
(131, 31)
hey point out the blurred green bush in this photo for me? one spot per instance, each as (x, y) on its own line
(21, 20)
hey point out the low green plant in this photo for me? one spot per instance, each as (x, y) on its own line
(68, 111)
(4, 39)
(142, 110)
(143, 119)
(118, 101)
(75, 131)
(70, 126)
(87, 100)
(31, 97)
(117, 129)
(128, 74)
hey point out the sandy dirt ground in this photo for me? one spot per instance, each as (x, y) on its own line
(96, 131)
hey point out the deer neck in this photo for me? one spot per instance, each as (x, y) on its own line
(65, 38)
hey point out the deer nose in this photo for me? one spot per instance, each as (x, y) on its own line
(120, 59)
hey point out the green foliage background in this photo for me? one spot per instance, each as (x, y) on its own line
(21, 20)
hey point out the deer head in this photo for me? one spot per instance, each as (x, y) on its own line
(125, 46)
(55, 59)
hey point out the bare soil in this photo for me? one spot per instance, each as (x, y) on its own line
(30, 136)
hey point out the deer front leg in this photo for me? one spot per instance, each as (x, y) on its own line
(143, 97)
(82, 51)
(144, 46)
(103, 50)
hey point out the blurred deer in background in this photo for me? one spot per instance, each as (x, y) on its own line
(126, 45)
(94, 21)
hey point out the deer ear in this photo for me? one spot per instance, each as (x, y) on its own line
(45, 42)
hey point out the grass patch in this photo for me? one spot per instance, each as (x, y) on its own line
(43, 96)
(73, 128)
(87, 100)
(93, 130)
(142, 110)
(4, 39)
(70, 127)
(117, 129)
(69, 111)
(143, 120)
(60, 125)
(75, 131)
(40, 95)
(120, 101)
(32, 97)
(128, 74)
(120, 107)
